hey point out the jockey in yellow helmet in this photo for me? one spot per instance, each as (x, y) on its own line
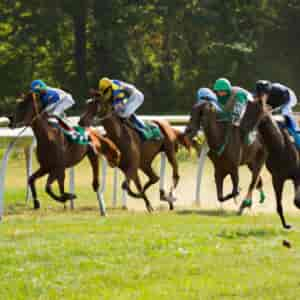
(125, 99)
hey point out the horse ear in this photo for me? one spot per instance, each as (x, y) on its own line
(20, 98)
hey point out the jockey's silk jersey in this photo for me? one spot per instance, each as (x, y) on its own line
(121, 91)
(279, 95)
(52, 95)
(240, 95)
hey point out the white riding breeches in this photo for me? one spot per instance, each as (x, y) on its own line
(60, 106)
(287, 108)
(132, 104)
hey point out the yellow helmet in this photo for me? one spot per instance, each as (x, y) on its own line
(105, 88)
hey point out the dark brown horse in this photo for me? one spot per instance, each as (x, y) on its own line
(55, 153)
(228, 151)
(136, 154)
(283, 159)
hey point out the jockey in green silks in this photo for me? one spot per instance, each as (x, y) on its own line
(232, 99)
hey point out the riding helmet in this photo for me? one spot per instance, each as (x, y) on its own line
(263, 87)
(38, 85)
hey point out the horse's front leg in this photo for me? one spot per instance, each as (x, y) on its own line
(31, 181)
(219, 179)
(56, 175)
(278, 187)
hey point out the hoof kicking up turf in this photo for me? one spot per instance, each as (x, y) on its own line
(262, 197)
(247, 203)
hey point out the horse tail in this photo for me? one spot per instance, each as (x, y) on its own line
(174, 135)
(182, 139)
(107, 148)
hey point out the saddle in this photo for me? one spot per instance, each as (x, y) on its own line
(149, 131)
(77, 134)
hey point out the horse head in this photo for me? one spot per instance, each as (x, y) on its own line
(27, 110)
(199, 114)
(254, 114)
(95, 107)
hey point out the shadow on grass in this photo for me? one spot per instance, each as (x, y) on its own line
(210, 213)
(243, 233)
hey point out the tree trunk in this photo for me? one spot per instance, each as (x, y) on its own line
(79, 21)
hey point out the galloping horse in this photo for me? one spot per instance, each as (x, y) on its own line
(228, 151)
(55, 153)
(135, 153)
(283, 159)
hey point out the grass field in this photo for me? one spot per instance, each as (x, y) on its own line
(186, 254)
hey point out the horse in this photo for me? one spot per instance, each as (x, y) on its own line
(228, 151)
(283, 161)
(55, 152)
(135, 153)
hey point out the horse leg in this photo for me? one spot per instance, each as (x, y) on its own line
(139, 187)
(153, 178)
(61, 185)
(297, 194)
(94, 161)
(51, 178)
(256, 182)
(171, 155)
(31, 181)
(219, 179)
(278, 187)
(235, 185)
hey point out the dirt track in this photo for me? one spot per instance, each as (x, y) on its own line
(186, 191)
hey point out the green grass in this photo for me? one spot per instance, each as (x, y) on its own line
(181, 255)
(188, 254)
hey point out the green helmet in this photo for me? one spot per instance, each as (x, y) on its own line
(222, 84)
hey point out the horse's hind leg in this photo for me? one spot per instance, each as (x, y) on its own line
(278, 187)
(31, 181)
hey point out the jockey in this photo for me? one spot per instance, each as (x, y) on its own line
(233, 100)
(125, 99)
(54, 101)
(282, 99)
(206, 94)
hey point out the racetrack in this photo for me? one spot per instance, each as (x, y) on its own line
(15, 192)
(186, 254)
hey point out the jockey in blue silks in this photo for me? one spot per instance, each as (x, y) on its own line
(282, 99)
(206, 94)
(55, 101)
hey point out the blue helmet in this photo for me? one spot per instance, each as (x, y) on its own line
(206, 94)
(38, 85)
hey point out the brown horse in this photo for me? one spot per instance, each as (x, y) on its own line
(55, 153)
(136, 154)
(283, 159)
(228, 151)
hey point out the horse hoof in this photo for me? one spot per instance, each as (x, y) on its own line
(36, 204)
(150, 209)
(171, 206)
(68, 196)
(287, 226)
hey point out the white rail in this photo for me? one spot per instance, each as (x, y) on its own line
(27, 141)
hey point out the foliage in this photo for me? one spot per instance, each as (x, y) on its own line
(167, 48)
